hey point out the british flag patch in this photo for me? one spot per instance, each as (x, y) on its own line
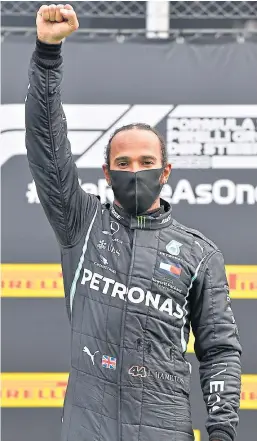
(108, 362)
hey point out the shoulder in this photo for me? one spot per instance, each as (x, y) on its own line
(195, 235)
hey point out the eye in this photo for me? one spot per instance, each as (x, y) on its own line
(123, 164)
(148, 162)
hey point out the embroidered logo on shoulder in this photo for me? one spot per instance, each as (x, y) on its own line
(173, 247)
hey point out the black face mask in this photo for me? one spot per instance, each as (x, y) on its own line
(136, 192)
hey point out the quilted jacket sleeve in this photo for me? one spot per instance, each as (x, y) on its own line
(217, 348)
(67, 207)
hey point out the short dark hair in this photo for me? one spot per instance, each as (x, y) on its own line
(138, 126)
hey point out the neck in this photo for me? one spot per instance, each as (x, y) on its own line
(155, 205)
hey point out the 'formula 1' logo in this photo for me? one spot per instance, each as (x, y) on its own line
(198, 136)
(90, 128)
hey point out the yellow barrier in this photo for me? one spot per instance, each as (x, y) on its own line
(48, 390)
(45, 280)
(197, 435)
(242, 280)
(190, 346)
(32, 280)
(33, 389)
(249, 392)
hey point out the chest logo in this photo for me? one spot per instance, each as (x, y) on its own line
(109, 362)
(92, 356)
(173, 247)
(114, 227)
(173, 269)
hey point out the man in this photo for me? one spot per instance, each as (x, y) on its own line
(134, 278)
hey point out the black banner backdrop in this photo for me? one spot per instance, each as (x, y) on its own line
(203, 99)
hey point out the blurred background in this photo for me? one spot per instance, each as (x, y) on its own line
(187, 68)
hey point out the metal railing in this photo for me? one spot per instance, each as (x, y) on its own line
(214, 10)
(102, 9)
(126, 20)
(137, 9)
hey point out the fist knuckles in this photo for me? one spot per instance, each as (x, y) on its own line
(55, 22)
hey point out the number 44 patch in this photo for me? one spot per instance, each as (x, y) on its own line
(139, 371)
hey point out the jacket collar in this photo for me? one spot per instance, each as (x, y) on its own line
(146, 221)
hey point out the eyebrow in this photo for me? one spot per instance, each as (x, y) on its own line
(122, 158)
(149, 157)
(127, 158)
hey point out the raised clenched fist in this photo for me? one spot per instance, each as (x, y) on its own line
(55, 22)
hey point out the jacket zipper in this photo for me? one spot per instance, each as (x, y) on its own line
(122, 338)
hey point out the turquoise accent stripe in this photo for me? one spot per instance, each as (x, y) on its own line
(81, 261)
(183, 341)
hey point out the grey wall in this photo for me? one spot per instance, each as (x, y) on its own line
(110, 73)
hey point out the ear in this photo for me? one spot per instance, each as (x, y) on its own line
(107, 174)
(166, 174)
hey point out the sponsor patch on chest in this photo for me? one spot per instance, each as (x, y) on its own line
(133, 294)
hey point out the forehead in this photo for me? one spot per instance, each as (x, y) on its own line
(135, 140)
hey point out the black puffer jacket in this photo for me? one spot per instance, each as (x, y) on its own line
(130, 302)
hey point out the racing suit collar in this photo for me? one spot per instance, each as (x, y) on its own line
(149, 221)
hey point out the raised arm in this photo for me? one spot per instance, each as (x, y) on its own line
(217, 348)
(67, 207)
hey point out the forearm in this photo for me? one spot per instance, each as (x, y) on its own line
(218, 349)
(220, 375)
(48, 148)
(44, 117)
